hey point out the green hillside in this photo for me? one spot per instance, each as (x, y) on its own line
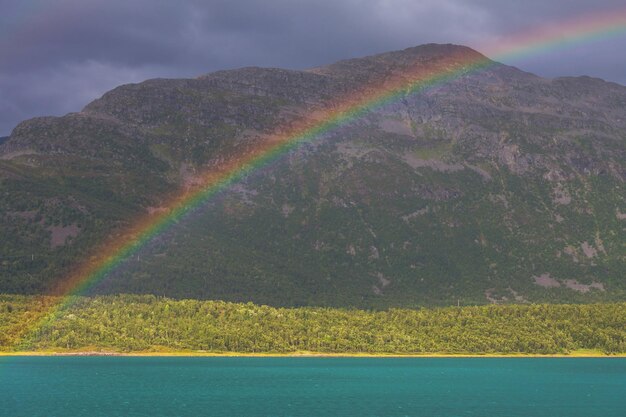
(498, 187)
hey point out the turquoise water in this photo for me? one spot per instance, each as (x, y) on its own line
(485, 387)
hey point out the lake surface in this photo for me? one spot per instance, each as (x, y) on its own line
(144, 386)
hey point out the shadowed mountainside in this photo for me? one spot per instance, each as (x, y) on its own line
(499, 186)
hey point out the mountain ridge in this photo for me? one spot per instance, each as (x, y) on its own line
(499, 186)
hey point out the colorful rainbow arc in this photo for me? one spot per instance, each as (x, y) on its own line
(336, 114)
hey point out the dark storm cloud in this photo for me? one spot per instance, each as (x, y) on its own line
(57, 55)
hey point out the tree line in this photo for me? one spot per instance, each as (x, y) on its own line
(131, 323)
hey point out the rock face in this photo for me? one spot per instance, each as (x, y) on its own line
(468, 191)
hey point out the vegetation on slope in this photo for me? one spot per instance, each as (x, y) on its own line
(131, 323)
(499, 186)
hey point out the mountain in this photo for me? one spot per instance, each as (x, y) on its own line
(3, 139)
(496, 186)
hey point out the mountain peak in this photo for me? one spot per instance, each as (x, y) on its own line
(416, 55)
(439, 49)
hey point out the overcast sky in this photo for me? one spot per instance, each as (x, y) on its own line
(57, 55)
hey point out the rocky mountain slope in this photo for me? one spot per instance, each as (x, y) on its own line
(499, 186)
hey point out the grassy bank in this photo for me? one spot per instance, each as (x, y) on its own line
(583, 353)
(149, 325)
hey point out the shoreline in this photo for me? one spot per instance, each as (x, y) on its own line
(574, 354)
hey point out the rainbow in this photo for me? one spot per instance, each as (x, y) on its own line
(323, 120)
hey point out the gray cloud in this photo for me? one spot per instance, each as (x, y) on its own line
(56, 56)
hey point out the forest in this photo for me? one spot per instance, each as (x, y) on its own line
(146, 323)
